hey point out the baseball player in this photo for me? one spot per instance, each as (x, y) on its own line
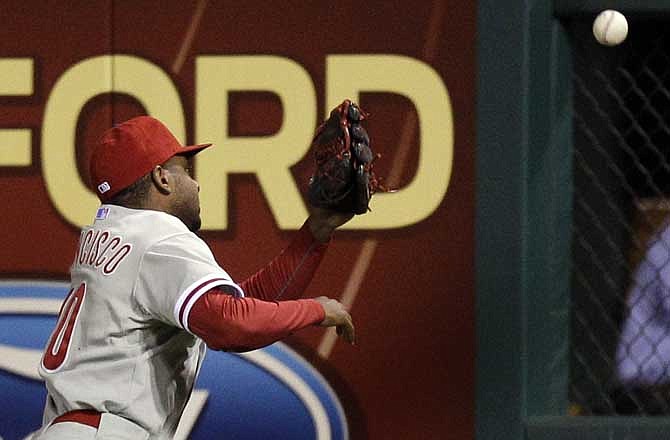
(148, 295)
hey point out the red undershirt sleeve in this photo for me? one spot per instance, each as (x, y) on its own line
(289, 274)
(230, 323)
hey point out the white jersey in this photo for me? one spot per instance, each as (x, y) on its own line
(122, 343)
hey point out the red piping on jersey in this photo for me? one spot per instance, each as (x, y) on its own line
(89, 417)
(190, 295)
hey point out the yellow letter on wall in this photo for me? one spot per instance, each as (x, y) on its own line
(347, 76)
(16, 79)
(269, 157)
(134, 76)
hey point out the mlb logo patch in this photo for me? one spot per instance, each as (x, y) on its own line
(102, 213)
(104, 187)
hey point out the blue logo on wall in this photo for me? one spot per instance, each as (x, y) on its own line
(268, 393)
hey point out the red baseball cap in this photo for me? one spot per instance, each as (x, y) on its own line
(128, 151)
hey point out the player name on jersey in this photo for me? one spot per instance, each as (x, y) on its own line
(100, 250)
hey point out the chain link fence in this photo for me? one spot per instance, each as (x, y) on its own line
(620, 303)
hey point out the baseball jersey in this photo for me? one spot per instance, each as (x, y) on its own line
(120, 344)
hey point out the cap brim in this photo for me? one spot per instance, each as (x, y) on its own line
(192, 149)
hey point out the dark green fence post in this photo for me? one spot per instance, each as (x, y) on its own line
(523, 217)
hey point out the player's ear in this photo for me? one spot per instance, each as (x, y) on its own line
(162, 179)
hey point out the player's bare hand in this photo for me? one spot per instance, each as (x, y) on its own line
(323, 221)
(338, 317)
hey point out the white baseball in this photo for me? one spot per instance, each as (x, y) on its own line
(610, 27)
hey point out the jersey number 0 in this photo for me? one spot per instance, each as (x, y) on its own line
(56, 352)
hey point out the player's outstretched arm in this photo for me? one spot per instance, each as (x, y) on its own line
(289, 274)
(230, 323)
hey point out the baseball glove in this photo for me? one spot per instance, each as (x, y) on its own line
(343, 180)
